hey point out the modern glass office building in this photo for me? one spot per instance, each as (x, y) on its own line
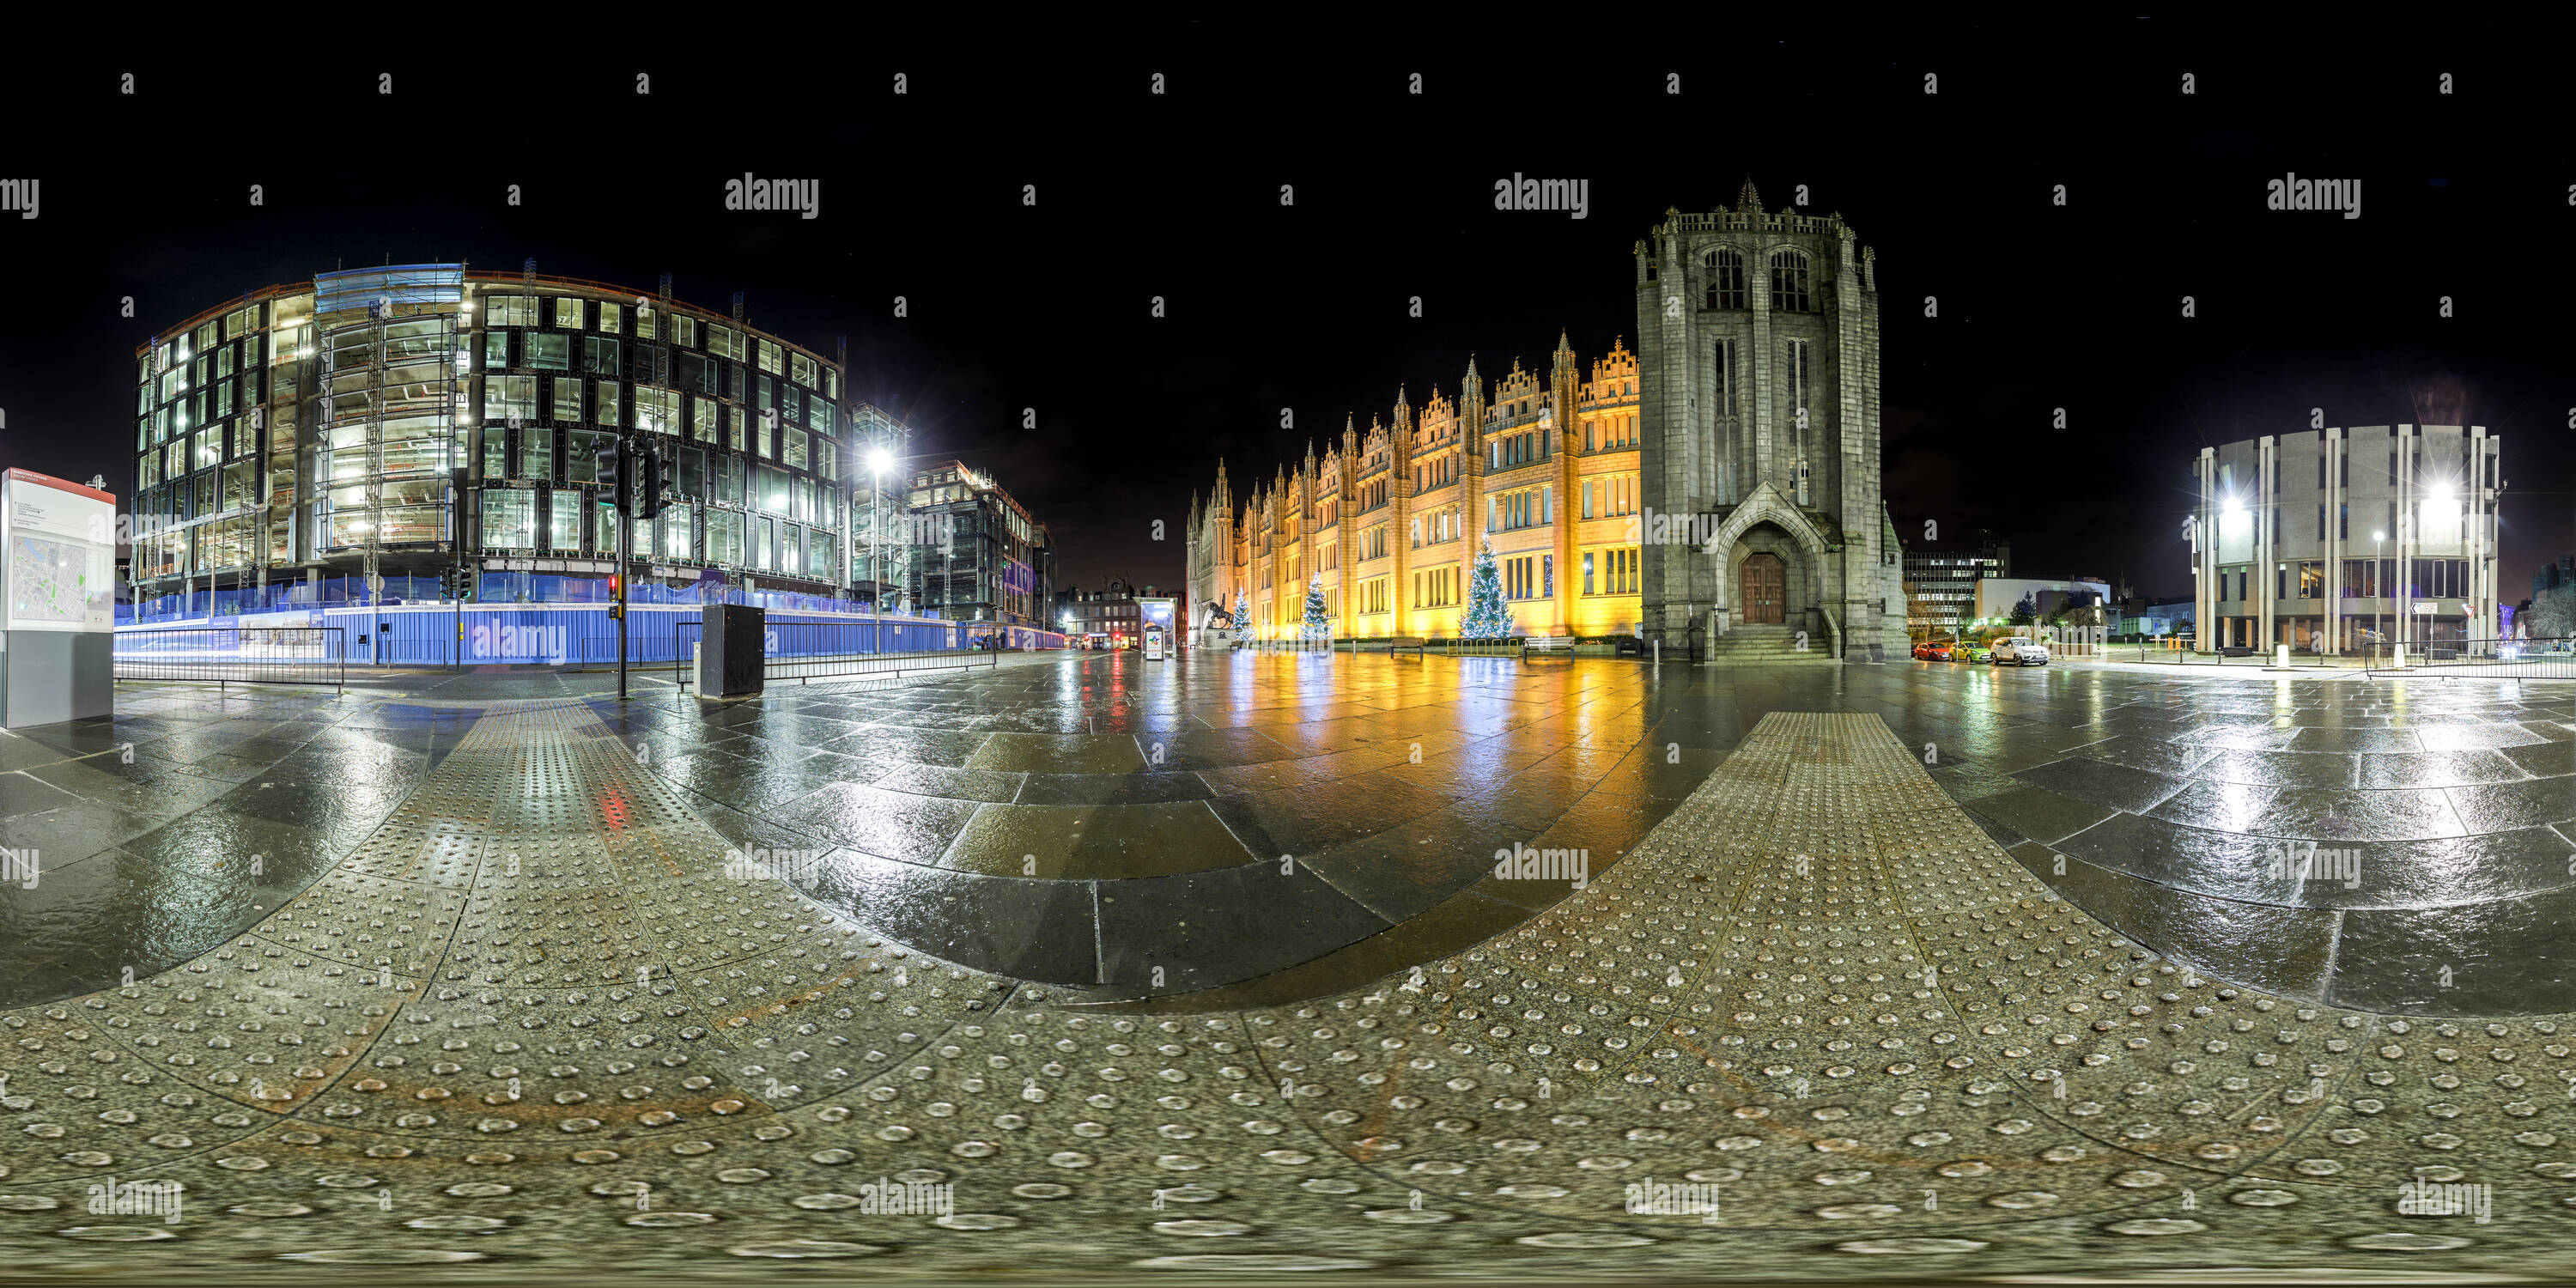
(344, 439)
(978, 555)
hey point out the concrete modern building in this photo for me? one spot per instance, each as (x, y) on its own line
(1758, 341)
(977, 555)
(342, 440)
(1941, 585)
(1546, 468)
(2356, 535)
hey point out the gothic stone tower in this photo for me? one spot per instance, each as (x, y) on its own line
(1758, 355)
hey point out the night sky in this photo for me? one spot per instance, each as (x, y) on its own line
(2465, 195)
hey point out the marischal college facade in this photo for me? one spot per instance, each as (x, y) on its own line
(1716, 490)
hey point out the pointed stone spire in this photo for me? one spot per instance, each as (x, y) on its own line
(1748, 202)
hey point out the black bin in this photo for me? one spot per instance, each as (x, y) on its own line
(732, 659)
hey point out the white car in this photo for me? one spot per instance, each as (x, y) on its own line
(2019, 652)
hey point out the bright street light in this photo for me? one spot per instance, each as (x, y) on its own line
(880, 460)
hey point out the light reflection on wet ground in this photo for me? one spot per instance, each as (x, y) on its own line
(1278, 825)
(533, 1020)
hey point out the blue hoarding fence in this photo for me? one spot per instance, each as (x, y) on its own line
(440, 635)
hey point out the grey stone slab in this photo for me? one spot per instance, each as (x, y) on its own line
(2041, 815)
(1206, 929)
(2508, 957)
(2103, 783)
(2283, 950)
(894, 825)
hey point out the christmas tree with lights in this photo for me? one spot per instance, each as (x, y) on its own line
(1318, 625)
(1242, 610)
(1487, 618)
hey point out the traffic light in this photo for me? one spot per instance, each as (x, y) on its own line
(655, 479)
(618, 462)
(616, 596)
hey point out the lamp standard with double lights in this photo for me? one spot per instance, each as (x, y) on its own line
(879, 461)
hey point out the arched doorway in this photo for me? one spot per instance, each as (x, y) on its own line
(1766, 589)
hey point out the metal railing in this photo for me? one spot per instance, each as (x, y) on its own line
(234, 654)
(809, 651)
(2540, 659)
(2533, 659)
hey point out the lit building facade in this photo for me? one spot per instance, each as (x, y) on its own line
(2349, 535)
(1546, 467)
(1110, 617)
(298, 443)
(1941, 586)
(977, 555)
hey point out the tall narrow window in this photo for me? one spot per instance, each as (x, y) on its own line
(1789, 283)
(1725, 270)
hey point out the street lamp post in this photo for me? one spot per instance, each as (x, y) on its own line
(2380, 599)
(879, 460)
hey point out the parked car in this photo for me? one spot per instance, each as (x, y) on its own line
(2019, 652)
(1933, 651)
(1972, 652)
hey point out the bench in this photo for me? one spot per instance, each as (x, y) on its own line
(1411, 642)
(1548, 644)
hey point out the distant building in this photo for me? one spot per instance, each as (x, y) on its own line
(2174, 617)
(1996, 597)
(977, 554)
(2352, 534)
(1941, 585)
(1109, 617)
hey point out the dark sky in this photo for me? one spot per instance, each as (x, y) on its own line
(1305, 306)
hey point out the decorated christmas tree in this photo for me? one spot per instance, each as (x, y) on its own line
(1242, 610)
(1487, 619)
(1318, 625)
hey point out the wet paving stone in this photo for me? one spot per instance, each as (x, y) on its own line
(560, 1011)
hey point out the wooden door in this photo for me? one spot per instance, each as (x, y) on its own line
(1766, 590)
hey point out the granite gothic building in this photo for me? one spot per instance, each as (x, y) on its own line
(1758, 348)
(1715, 489)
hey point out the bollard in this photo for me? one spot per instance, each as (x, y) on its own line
(2281, 655)
(2401, 657)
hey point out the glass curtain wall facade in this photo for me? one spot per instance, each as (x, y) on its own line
(390, 422)
(982, 556)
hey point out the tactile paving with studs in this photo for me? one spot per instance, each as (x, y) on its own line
(1817, 1025)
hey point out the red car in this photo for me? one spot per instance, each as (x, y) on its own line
(1938, 651)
